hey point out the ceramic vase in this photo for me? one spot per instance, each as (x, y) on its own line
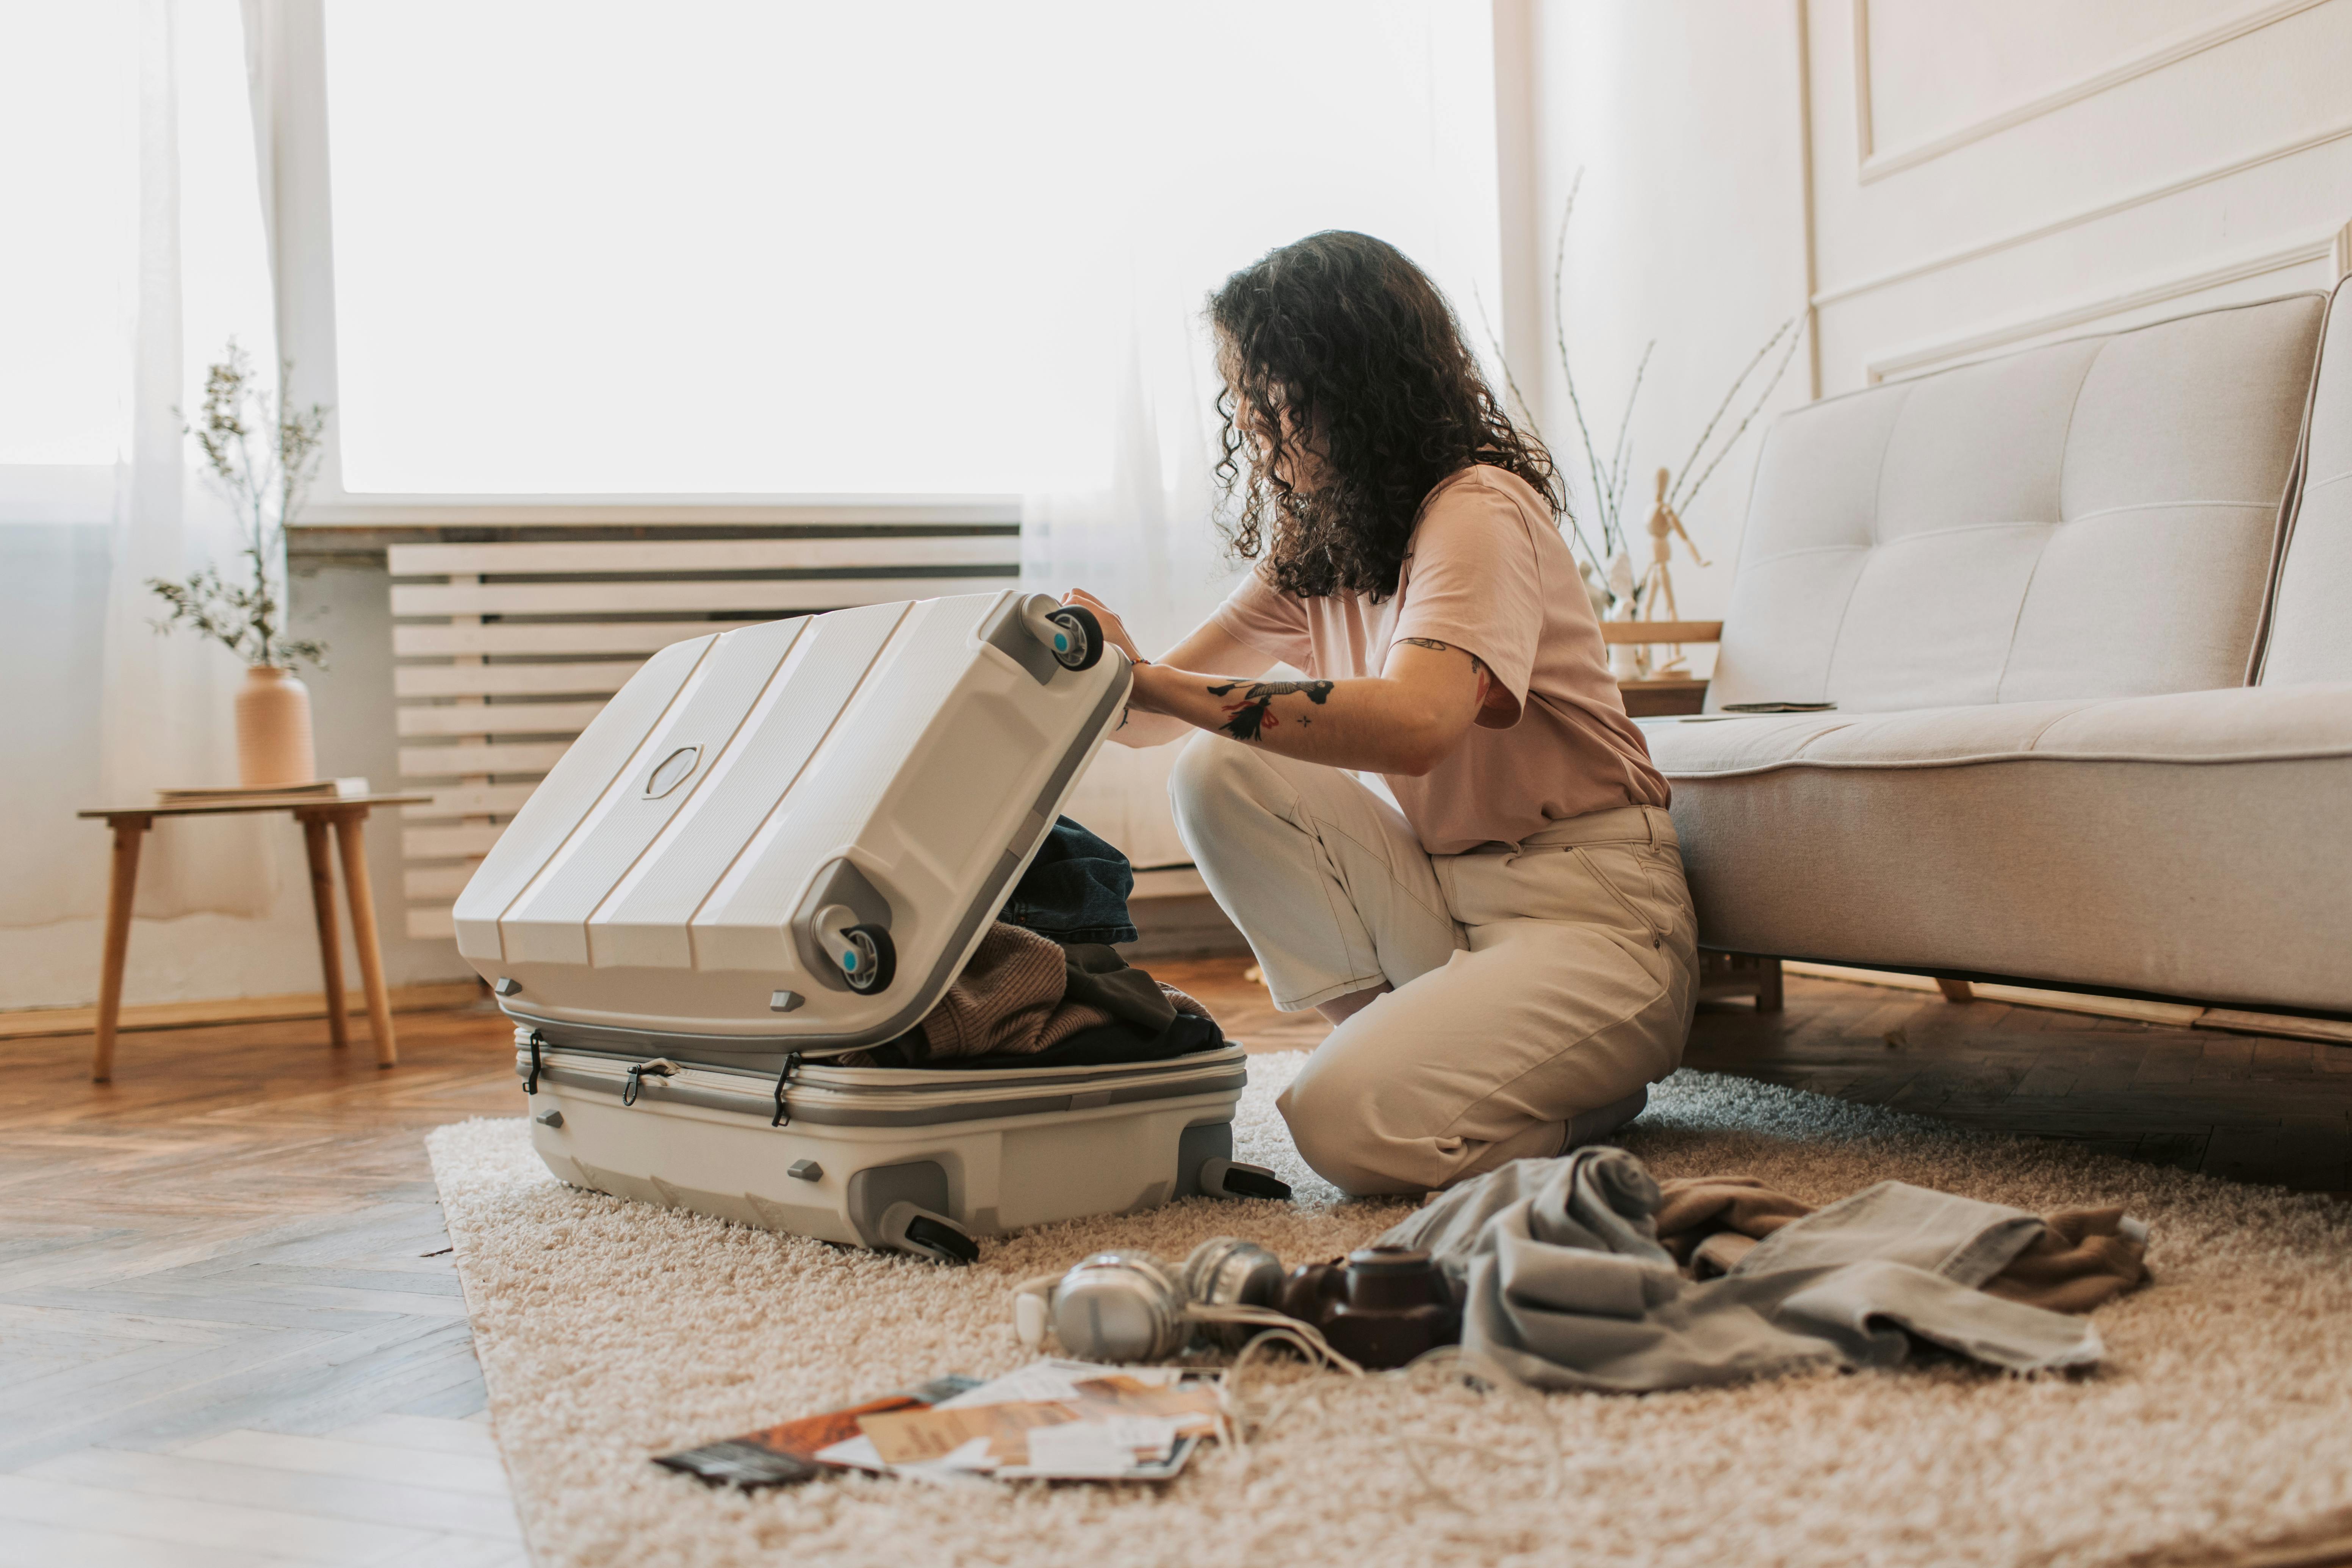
(273, 730)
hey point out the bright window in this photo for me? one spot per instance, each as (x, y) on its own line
(842, 250)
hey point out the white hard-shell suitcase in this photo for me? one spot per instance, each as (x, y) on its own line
(783, 843)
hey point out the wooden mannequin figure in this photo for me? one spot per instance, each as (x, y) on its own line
(1658, 582)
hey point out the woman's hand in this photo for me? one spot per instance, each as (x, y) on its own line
(1114, 630)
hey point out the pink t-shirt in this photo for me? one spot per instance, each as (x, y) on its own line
(1488, 572)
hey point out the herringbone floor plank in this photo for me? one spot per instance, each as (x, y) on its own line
(229, 1328)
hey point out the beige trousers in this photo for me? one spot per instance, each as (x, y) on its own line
(1539, 989)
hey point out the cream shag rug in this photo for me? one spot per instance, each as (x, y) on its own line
(611, 1331)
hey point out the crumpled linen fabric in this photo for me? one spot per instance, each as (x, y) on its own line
(1568, 1286)
(2081, 1259)
(1022, 995)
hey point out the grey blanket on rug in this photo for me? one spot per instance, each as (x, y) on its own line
(1568, 1288)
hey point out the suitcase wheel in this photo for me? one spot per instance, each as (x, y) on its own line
(1229, 1179)
(869, 959)
(942, 1238)
(1079, 638)
(905, 1227)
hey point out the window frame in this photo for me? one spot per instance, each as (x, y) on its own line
(297, 192)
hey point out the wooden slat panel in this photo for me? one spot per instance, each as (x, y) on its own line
(780, 594)
(447, 843)
(702, 555)
(429, 882)
(602, 677)
(466, 757)
(472, 800)
(426, 921)
(1644, 631)
(499, 719)
(594, 636)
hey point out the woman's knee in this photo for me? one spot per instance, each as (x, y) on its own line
(1212, 779)
(1332, 1121)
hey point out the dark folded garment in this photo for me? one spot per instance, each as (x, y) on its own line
(1115, 1043)
(1076, 889)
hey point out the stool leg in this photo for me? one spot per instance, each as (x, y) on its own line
(350, 844)
(121, 887)
(331, 945)
(1957, 990)
(1768, 985)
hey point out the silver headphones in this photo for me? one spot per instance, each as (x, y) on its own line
(1128, 1306)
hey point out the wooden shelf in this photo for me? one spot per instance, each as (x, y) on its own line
(1664, 698)
(1661, 631)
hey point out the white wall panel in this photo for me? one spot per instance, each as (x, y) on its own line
(1944, 182)
(1996, 175)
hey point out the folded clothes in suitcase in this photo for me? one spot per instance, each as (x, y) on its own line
(778, 844)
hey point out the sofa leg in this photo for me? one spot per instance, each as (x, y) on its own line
(1957, 990)
(1722, 975)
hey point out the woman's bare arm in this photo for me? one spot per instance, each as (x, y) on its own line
(1402, 720)
(1207, 646)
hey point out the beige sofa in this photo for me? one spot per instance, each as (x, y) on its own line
(2081, 609)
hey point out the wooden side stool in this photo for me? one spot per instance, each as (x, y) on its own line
(346, 818)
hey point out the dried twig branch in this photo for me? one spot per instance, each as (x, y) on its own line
(1610, 537)
(1617, 474)
(1754, 409)
(1511, 385)
(1683, 474)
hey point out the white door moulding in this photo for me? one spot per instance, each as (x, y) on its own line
(1905, 362)
(1873, 164)
(2142, 197)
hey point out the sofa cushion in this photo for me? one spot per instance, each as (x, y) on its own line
(2310, 634)
(2191, 844)
(2091, 519)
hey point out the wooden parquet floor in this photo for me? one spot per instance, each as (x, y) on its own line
(2245, 1107)
(229, 1328)
(229, 1332)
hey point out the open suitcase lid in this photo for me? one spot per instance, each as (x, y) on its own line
(758, 812)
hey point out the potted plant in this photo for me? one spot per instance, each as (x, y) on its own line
(261, 457)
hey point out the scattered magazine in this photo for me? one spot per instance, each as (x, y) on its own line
(1052, 1420)
(785, 1454)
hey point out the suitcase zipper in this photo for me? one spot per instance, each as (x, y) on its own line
(791, 1066)
(660, 1066)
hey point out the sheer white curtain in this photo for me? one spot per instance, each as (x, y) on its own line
(1144, 542)
(141, 184)
(1253, 125)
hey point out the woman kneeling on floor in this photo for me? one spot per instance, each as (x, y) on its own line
(1503, 937)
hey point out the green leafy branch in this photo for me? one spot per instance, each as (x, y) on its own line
(262, 459)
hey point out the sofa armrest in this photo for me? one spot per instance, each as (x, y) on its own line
(1661, 631)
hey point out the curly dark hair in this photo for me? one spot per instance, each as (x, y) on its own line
(1339, 343)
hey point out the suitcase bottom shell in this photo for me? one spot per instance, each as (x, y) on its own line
(880, 1157)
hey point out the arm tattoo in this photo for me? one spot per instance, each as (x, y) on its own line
(1445, 646)
(1252, 714)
